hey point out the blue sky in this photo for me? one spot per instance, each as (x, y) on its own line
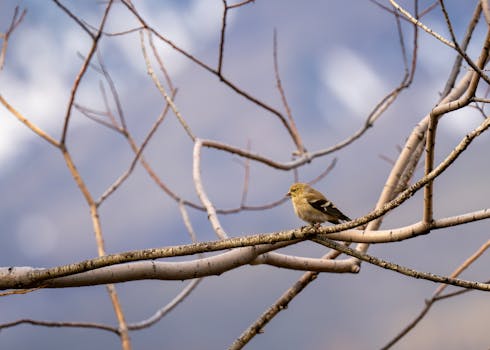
(337, 60)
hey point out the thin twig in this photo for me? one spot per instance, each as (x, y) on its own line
(246, 179)
(393, 12)
(160, 88)
(292, 124)
(409, 327)
(94, 115)
(216, 264)
(26, 278)
(434, 116)
(279, 305)
(437, 295)
(20, 291)
(222, 38)
(421, 25)
(407, 155)
(123, 331)
(203, 65)
(480, 99)
(486, 10)
(462, 52)
(16, 20)
(157, 316)
(59, 324)
(94, 214)
(241, 3)
(112, 87)
(28, 123)
(161, 65)
(378, 110)
(38, 276)
(81, 23)
(464, 45)
(386, 101)
(452, 44)
(83, 69)
(108, 109)
(138, 152)
(196, 175)
(402, 269)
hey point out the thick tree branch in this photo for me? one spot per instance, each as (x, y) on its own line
(402, 269)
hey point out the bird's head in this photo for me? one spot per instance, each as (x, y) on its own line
(296, 189)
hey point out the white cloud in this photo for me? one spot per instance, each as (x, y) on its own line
(189, 29)
(352, 80)
(33, 82)
(459, 123)
(42, 64)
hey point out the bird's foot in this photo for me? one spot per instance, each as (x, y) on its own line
(314, 226)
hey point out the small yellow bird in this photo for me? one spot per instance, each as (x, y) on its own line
(312, 206)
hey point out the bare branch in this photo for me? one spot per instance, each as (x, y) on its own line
(421, 25)
(279, 305)
(95, 116)
(434, 116)
(177, 271)
(306, 264)
(196, 175)
(82, 71)
(28, 123)
(98, 326)
(458, 48)
(28, 277)
(401, 269)
(203, 259)
(390, 10)
(406, 158)
(480, 99)
(222, 38)
(79, 21)
(113, 89)
(241, 3)
(138, 151)
(436, 296)
(160, 88)
(246, 179)
(16, 20)
(464, 45)
(386, 101)
(111, 289)
(211, 70)
(292, 124)
(157, 316)
(486, 10)
(161, 65)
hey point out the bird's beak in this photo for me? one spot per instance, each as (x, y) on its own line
(288, 194)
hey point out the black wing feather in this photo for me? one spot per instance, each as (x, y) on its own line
(328, 208)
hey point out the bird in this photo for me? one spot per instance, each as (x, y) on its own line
(313, 207)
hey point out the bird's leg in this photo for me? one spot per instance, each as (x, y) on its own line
(313, 226)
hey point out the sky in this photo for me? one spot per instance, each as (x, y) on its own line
(337, 59)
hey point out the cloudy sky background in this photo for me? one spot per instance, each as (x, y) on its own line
(337, 60)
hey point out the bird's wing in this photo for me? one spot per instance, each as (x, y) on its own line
(319, 202)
